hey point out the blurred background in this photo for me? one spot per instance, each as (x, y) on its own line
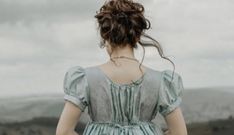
(40, 40)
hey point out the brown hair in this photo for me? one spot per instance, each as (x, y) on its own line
(123, 22)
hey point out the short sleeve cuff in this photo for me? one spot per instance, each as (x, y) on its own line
(75, 101)
(172, 107)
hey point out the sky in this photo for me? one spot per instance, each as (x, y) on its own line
(40, 40)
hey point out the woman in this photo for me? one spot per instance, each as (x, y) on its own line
(121, 97)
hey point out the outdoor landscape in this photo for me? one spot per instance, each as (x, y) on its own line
(207, 111)
(41, 39)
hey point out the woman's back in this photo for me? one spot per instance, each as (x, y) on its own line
(116, 105)
(125, 73)
(122, 108)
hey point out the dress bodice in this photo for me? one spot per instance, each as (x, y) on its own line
(123, 108)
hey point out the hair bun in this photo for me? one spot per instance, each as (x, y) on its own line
(122, 22)
(120, 15)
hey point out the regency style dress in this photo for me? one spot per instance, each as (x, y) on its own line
(123, 109)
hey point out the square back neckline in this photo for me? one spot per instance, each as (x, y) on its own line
(137, 81)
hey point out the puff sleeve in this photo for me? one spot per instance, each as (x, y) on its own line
(170, 96)
(76, 87)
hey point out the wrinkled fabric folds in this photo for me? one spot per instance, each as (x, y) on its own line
(170, 92)
(110, 128)
(76, 87)
(123, 109)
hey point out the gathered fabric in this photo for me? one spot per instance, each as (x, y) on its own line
(123, 109)
(111, 128)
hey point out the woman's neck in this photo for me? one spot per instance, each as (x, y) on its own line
(125, 51)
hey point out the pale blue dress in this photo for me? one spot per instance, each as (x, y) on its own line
(123, 109)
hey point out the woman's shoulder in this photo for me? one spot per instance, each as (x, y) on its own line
(81, 68)
(77, 69)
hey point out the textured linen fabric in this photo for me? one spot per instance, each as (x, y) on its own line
(123, 109)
